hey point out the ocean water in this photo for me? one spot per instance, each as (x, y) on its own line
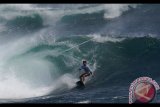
(42, 47)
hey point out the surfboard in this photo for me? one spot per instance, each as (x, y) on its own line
(80, 85)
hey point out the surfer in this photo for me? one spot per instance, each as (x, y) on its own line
(87, 71)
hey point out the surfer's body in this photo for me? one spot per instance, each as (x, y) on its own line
(87, 71)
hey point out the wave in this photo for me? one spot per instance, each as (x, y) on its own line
(128, 59)
(25, 24)
(49, 16)
(40, 66)
(42, 48)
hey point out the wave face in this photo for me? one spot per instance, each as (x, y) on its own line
(42, 46)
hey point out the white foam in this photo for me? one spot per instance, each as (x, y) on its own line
(102, 39)
(64, 82)
(10, 11)
(85, 101)
(111, 10)
(13, 7)
(30, 75)
(51, 16)
(115, 10)
(23, 76)
(13, 88)
(2, 28)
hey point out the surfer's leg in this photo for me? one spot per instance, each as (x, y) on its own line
(82, 77)
(86, 75)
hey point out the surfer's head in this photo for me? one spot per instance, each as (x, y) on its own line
(84, 62)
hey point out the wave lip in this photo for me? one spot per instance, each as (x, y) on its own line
(101, 39)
